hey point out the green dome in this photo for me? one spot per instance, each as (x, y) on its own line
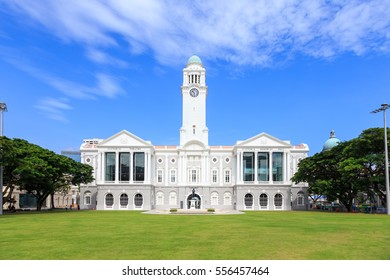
(194, 59)
(331, 142)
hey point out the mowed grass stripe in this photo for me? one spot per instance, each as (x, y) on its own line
(120, 235)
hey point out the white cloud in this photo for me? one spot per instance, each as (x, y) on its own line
(54, 108)
(244, 32)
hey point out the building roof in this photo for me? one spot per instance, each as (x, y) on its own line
(331, 142)
(194, 59)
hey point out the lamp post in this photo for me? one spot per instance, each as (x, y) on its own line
(3, 108)
(383, 109)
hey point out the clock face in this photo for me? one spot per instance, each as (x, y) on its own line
(194, 92)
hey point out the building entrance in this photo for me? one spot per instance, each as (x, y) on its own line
(193, 201)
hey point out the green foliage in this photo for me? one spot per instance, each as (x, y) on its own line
(348, 169)
(39, 171)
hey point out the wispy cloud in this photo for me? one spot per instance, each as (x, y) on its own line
(248, 32)
(54, 108)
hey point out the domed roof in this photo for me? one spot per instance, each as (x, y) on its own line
(331, 142)
(194, 59)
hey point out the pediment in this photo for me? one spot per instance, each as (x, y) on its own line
(264, 140)
(124, 139)
(194, 146)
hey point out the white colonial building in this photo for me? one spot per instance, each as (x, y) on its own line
(133, 174)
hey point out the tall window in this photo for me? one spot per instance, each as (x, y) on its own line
(109, 200)
(263, 201)
(87, 198)
(227, 198)
(227, 176)
(215, 176)
(138, 200)
(173, 176)
(110, 166)
(300, 198)
(159, 176)
(172, 198)
(124, 200)
(263, 167)
(249, 165)
(248, 200)
(159, 198)
(277, 166)
(124, 166)
(214, 198)
(278, 201)
(139, 166)
(193, 175)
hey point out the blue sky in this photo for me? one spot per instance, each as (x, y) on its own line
(71, 70)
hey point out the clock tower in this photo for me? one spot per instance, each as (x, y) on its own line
(194, 93)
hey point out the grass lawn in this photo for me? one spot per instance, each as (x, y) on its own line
(126, 235)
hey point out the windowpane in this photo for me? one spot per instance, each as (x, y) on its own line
(159, 176)
(248, 200)
(278, 200)
(87, 198)
(263, 200)
(277, 166)
(248, 165)
(110, 166)
(109, 200)
(227, 198)
(138, 200)
(139, 166)
(263, 167)
(124, 166)
(227, 176)
(124, 200)
(173, 176)
(215, 178)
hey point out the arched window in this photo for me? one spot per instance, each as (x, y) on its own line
(159, 198)
(248, 201)
(109, 200)
(214, 198)
(138, 200)
(300, 198)
(124, 200)
(87, 198)
(278, 201)
(227, 198)
(172, 198)
(263, 201)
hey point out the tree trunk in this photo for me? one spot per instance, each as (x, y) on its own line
(52, 201)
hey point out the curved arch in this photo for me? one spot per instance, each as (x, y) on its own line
(278, 201)
(138, 201)
(172, 198)
(109, 201)
(194, 145)
(123, 200)
(248, 201)
(87, 198)
(214, 198)
(159, 198)
(264, 201)
(227, 198)
(196, 203)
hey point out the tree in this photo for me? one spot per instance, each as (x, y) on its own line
(39, 171)
(353, 167)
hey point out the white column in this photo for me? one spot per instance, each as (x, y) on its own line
(270, 168)
(116, 167)
(149, 171)
(131, 167)
(255, 171)
(287, 167)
